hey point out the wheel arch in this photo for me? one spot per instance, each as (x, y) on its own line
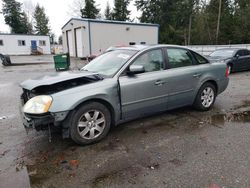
(206, 81)
(212, 82)
(103, 102)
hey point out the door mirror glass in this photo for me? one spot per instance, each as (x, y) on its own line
(237, 56)
(136, 69)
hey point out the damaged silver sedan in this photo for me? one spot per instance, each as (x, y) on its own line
(118, 86)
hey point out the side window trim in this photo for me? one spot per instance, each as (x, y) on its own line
(190, 53)
(166, 58)
(194, 54)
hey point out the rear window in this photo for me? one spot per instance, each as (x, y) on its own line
(222, 53)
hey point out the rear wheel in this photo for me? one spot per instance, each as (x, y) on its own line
(90, 123)
(205, 97)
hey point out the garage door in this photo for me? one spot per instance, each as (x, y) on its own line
(70, 42)
(79, 43)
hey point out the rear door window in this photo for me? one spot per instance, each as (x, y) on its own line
(246, 52)
(179, 57)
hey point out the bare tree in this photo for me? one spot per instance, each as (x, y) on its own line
(29, 9)
(75, 8)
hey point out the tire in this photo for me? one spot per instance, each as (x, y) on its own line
(6, 60)
(206, 97)
(90, 123)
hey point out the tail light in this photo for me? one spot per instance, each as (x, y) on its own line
(227, 72)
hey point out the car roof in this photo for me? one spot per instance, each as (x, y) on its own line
(144, 47)
(234, 49)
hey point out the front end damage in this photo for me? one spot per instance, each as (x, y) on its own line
(50, 120)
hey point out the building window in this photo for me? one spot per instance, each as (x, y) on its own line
(21, 42)
(42, 43)
(1, 42)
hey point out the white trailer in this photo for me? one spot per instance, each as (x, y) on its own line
(19, 44)
(85, 37)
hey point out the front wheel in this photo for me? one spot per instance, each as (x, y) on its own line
(205, 97)
(90, 123)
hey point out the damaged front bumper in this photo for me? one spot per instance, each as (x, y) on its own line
(41, 121)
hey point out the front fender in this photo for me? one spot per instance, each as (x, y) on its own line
(69, 99)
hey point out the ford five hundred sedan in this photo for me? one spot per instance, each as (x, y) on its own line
(121, 85)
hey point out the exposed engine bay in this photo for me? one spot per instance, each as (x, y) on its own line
(60, 86)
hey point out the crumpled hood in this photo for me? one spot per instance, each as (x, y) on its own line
(54, 78)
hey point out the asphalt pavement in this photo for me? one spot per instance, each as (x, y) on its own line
(179, 148)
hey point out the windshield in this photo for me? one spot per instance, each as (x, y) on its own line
(222, 53)
(109, 63)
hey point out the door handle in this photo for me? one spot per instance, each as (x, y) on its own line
(159, 82)
(197, 75)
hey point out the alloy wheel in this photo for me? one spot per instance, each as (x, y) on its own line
(207, 97)
(91, 124)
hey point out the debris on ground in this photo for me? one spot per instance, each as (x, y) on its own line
(3, 117)
(60, 160)
(74, 163)
(214, 186)
(32, 173)
(4, 152)
(72, 175)
(176, 162)
(154, 166)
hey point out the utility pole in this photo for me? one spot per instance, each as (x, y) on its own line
(218, 22)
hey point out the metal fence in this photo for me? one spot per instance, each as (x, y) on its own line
(207, 49)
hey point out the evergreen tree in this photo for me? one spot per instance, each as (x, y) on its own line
(151, 11)
(226, 21)
(15, 17)
(90, 10)
(41, 21)
(108, 12)
(241, 21)
(28, 27)
(121, 12)
(172, 16)
(60, 40)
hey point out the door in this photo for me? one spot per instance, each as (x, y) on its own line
(183, 76)
(247, 60)
(79, 42)
(240, 61)
(33, 45)
(144, 93)
(70, 43)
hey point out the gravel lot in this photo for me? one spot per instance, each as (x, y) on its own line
(180, 148)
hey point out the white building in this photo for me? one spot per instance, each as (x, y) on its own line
(84, 37)
(19, 44)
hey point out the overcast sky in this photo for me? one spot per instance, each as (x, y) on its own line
(59, 11)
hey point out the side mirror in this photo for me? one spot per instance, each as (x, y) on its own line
(136, 69)
(237, 56)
